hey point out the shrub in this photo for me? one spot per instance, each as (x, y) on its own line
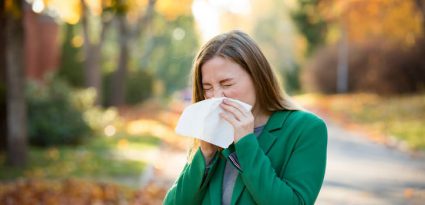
(95, 117)
(375, 67)
(52, 117)
(138, 87)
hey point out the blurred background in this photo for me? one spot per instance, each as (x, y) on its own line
(91, 91)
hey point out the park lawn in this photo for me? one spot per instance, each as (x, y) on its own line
(401, 117)
(118, 159)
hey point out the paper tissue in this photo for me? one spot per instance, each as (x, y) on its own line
(201, 120)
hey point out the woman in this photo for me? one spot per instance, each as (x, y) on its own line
(279, 152)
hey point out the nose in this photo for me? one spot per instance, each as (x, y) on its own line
(218, 93)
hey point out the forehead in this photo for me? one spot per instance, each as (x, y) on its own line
(219, 68)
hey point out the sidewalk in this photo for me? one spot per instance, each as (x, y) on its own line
(362, 172)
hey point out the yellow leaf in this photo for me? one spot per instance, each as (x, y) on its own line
(171, 9)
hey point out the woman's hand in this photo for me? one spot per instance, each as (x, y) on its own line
(242, 120)
(208, 150)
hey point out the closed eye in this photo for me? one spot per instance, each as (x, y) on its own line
(227, 82)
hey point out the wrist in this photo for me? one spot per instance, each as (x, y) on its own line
(237, 138)
(208, 155)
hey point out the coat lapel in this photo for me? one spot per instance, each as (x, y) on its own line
(217, 182)
(265, 141)
(276, 122)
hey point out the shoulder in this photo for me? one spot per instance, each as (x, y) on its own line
(305, 117)
(296, 117)
(296, 123)
(303, 124)
(305, 129)
(308, 125)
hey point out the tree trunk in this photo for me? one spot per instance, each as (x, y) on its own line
(3, 124)
(15, 87)
(144, 20)
(92, 70)
(119, 77)
(126, 34)
(92, 49)
(342, 69)
(421, 6)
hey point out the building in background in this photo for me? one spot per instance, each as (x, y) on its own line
(42, 46)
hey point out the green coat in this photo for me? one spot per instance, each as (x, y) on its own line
(285, 165)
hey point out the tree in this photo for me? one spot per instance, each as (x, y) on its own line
(93, 47)
(131, 18)
(126, 34)
(95, 17)
(119, 76)
(273, 30)
(169, 53)
(15, 84)
(310, 23)
(398, 22)
(421, 6)
(129, 32)
(71, 65)
(3, 116)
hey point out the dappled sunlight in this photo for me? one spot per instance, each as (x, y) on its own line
(106, 82)
(125, 151)
(148, 127)
(306, 99)
(110, 130)
(160, 125)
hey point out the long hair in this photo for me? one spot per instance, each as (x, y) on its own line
(238, 47)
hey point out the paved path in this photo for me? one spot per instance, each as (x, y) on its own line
(362, 172)
(358, 172)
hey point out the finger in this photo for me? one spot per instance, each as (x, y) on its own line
(234, 111)
(229, 118)
(236, 105)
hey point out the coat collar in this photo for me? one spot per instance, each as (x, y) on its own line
(275, 122)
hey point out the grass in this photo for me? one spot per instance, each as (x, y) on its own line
(113, 159)
(402, 117)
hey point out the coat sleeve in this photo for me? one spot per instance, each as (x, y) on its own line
(190, 187)
(304, 171)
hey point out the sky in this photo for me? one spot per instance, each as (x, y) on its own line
(207, 14)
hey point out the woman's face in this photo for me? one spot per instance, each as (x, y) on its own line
(224, 78)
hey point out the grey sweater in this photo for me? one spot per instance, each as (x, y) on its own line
(231, 173)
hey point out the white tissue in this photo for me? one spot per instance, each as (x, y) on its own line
(201, 120)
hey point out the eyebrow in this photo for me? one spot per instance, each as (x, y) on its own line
(221, 81)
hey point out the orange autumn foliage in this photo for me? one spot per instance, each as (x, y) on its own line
(393, 20)
(76, 192)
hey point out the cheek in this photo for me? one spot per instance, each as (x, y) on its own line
(242, 94)
(208, 94)
(232, 93)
